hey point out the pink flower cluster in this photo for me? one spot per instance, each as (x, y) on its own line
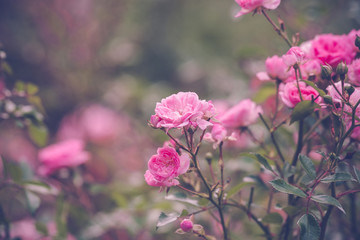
(290, 94)
(248, 6)
(183, 110)
(165, 167)
(229, 122)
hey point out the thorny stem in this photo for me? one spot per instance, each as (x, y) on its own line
(276, 28)
(327, 215)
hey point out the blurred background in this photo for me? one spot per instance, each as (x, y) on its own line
(105, 64)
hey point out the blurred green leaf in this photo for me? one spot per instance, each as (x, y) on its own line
(182, 197)
(291, 210)
(302, 110)
(313, 85)
(184, 213)
(328, 200)
(238, 187)
(32, 201)
(309, 227)
(38, 134)
(166, 219)
(288, 170)
(264, 93)
(19, 86)
(282, 186)
(308, 166)
(260, 158)
(274, 218)
(36, 183)
(36, 101)
(120, 199)
(42, 228)
(31, 89)
(7, 69)
(337, 177)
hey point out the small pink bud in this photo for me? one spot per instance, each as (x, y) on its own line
(186, 225)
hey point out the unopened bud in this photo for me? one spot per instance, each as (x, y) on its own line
(186, 225)
(342, 70)
(328, 99)
(357, 41)
(326, 71)
(350, 90)
(209, 156)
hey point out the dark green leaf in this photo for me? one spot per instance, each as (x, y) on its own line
(338, 177)
(260, 158)
(303, 109)
(308, 166)
(314, 86)
(282, 186)
(166, 219)
(309, 227)
(357, 174)
(291, 210)
(327, 200)
(41, 227)
(288, 170)
(274, 218)
(184, 213)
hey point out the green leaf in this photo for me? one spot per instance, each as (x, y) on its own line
(166, 219)
(260, 158)
(282, 186)
(264, 93)
(38, 134)
(288, 170)
(32, 201)
(274, 218)
(292, 211)
(309, 227)
(337, 177)
(328, 200)
(184, 213)
(308, 166)
(182, 197)
(302, 110)
(42, 228)
(357, 174)
(314, 86)
(31, 89)
(238, 187)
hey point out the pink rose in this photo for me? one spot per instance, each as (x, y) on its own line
(248, 6)
(243, 114)
(68, 153)
(165, 166)
(183, 109)
(289, 93)
(332, 49)
(294, 56)
(186, 225)
(275, 69)
(354, 72)
(311, 68)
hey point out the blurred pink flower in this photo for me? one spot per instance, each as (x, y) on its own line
(183, 109)
(336, 98)
(94, 123)
(332, 49)
(243, 114)
(311, 67)
(352, 36)
(275, 69)
(68, 153)
(248, 6)
(354, 72)
(165, 166)
(186, 225)
(26, 230)
(289, 93)
(295, 55)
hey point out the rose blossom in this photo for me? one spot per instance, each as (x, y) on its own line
(354, 72)
(289, 93)
(275, 69)
(68, 153)
(186, 225)
(248, 6)
(311, 68)
(294, 56)
(332, 49)
(242, 114)
(165, 166)
(183, 109)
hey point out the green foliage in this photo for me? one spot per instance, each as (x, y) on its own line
(338, 177)
(308, 166)
(165, 219)
(302, 110)
(325, 199)
(274, 218)
(309, 227)
(282, 186)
